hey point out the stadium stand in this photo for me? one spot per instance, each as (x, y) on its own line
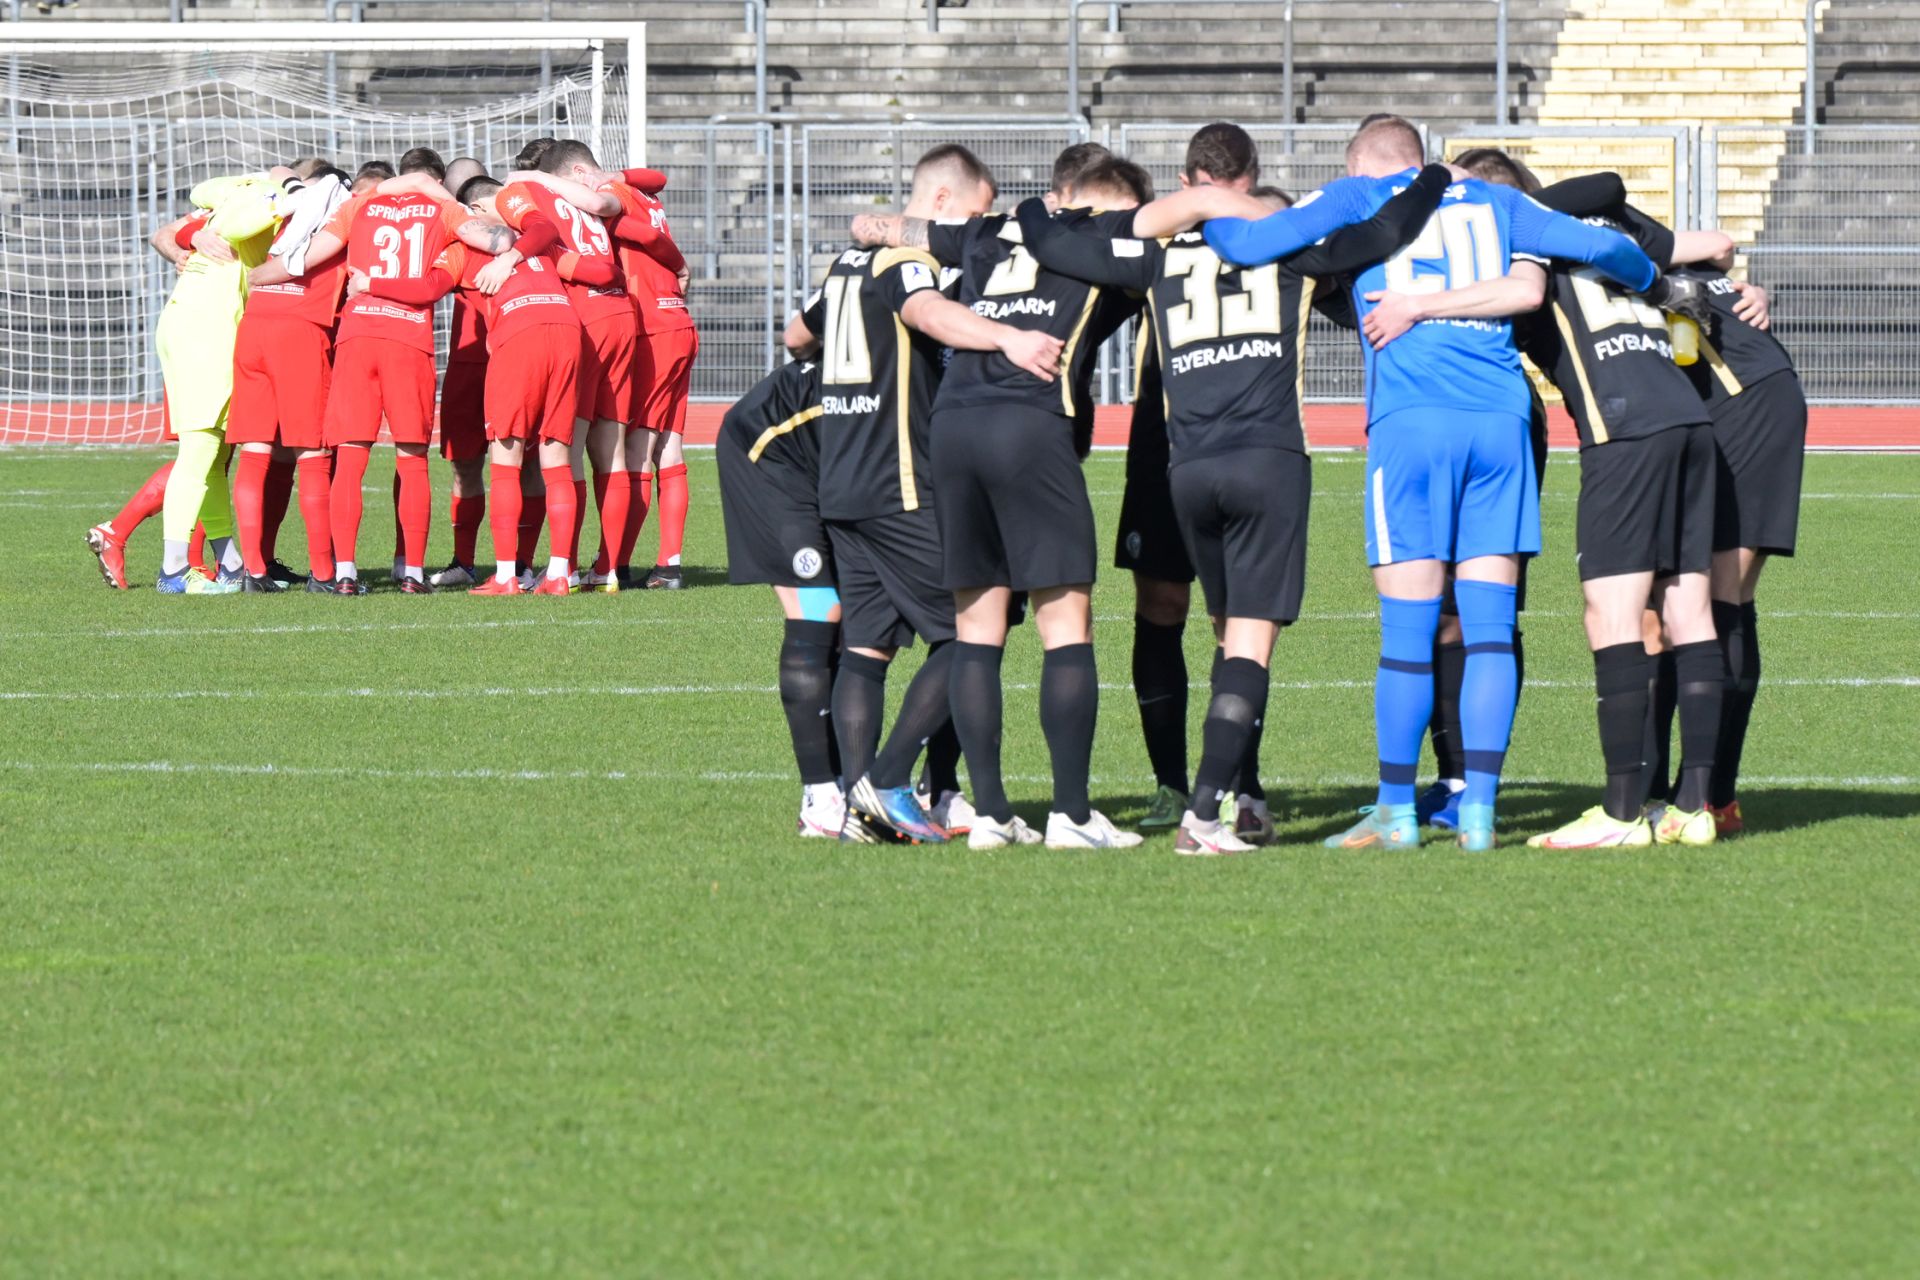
(1730, 70)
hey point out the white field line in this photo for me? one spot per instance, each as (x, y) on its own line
(169, 767)
(674, 690)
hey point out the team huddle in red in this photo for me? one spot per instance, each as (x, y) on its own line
(571, 345)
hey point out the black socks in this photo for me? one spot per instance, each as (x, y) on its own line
(859, 703)
(1701, 673)
(923, 713)
(1160, 687)
(973, 692)
(1620, 678)
(806, 694)
(1239, 704)
(1069, 707)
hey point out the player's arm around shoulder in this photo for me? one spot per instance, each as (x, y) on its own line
(1521, 290)
(909, 280)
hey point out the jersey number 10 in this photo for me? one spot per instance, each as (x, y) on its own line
(844, 356)
(1466, 236)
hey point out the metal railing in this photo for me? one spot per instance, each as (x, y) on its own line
(775, 207)
(1113, 7)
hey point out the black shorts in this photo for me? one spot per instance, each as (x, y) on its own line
(1013, 501)
(1244, 517)
(772, 514)
(889, 571)
(1762, 435)
(1148, 540)
(1646, 504)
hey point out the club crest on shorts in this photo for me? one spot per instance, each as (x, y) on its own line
(807, 562)
(1134, 543)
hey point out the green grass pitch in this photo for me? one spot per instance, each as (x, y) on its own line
(450, 937)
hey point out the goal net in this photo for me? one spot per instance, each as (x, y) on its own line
(103, 138)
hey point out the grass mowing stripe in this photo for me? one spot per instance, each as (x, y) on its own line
(668, 690)
(742, 775)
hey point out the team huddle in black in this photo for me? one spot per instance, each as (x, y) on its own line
(916, 472)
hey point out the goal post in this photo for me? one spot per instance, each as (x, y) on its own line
(106, 129)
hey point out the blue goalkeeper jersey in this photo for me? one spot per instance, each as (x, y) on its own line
(1475, 234)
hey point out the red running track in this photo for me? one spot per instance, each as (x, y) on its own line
(1329, 426)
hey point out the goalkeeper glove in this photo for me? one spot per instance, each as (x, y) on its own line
(1682, 295)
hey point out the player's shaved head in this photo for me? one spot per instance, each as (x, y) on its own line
(529, 156)
(566, 155)
(424, 160)
(1114, 183)
(1272, 197)
(1074, 161)
(1490, 164)
(950, 182)
(1222, 155)
(1384, 145)
(461, 170)
(476, 189)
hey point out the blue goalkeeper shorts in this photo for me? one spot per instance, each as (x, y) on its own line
(1450, 485)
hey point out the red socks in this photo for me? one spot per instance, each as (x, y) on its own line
(673, 511)
(146, 501)
(640, 496)
(249, 503)
(563, 512)
(345, 503)
(579, 522)
(504, 514)
(316, 481)
(532, 513)
(197, 550)
(612, 494)
(416, 506)
(273, 514)
(467, 513)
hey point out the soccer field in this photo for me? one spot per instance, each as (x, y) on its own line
(454, 937)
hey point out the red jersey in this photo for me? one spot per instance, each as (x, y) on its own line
(655, 286)
(467, 344)
(533, 294)
(393, 238)
(314, 298)
(581, 233)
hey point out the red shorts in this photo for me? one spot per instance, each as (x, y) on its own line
(607, 389)
(666, 380)
(281, 368)
(463, 410)
(374, 377)
(533, 384)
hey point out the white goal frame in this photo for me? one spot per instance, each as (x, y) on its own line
(77, 364)
(609, 45)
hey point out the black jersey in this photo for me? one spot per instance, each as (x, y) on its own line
(1609, 352)
(1231, 341)
(776, 424)
(1147, 430)
(878, 379)
(1000, 280)
(1733, 354)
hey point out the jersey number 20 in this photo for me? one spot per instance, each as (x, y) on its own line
(1467, 236)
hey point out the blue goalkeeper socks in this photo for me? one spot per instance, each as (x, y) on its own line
(1403, 692)
(1491, 689)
